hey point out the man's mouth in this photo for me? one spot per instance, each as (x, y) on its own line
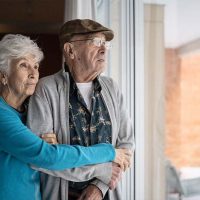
(101, 60)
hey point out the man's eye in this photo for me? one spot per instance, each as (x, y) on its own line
(96, 42)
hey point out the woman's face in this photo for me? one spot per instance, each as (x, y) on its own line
(23, 76)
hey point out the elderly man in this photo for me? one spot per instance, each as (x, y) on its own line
(82, 107)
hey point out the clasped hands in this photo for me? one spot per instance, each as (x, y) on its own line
(121, 162)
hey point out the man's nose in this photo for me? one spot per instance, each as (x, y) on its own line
(103, 49)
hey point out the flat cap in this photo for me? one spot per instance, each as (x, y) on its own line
(82, 26)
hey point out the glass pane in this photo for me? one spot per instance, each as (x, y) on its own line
(182, 56)
(172, 96)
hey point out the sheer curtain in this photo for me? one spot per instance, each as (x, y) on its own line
(154, 69)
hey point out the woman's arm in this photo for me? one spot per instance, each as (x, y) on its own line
(17, 140)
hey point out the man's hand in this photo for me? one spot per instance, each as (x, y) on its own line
(92, 192)
(116, 176)
(49, 138)
(123, 158)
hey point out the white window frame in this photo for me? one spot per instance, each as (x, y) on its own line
(139, 102)
(131, 78)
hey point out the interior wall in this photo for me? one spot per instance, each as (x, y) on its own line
(26, 16)
(49, 44)
(41, 21)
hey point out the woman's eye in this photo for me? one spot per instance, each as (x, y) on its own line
(23, 65)
(36, 67)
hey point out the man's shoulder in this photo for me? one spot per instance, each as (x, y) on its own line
(108, 81)
(52, 80)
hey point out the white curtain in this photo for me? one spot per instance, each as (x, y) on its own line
(154, 88)
(81, 9)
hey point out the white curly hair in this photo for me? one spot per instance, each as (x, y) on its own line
(14, 46)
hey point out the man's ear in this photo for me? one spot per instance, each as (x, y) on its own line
(69, 50)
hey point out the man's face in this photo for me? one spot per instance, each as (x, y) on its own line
(88, 55)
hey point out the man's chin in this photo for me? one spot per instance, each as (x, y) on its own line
(100, 71)
(101, 67)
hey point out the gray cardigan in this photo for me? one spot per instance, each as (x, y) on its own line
(48, 112)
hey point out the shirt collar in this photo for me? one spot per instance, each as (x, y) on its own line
(73, 87)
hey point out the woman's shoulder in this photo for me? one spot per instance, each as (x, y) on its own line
(7, 111)
(4, 107)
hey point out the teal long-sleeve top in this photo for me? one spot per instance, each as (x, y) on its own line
(20, 148)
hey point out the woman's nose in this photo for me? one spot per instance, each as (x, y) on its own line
(33, 73)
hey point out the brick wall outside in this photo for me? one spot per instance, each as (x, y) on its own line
(183, 109)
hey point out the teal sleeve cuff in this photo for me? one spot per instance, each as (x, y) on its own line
(107, 151)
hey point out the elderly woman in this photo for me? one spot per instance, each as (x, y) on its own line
(19, 147)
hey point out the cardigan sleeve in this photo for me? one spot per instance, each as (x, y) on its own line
(126, 133)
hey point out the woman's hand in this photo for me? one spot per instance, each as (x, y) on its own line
(49, 138)
(123, 158)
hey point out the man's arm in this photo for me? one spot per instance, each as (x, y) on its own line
(125, 137)
(115, 178)
(40, 120)
(101, 171)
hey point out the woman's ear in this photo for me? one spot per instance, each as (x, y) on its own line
(69, 50)
(3, 78)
